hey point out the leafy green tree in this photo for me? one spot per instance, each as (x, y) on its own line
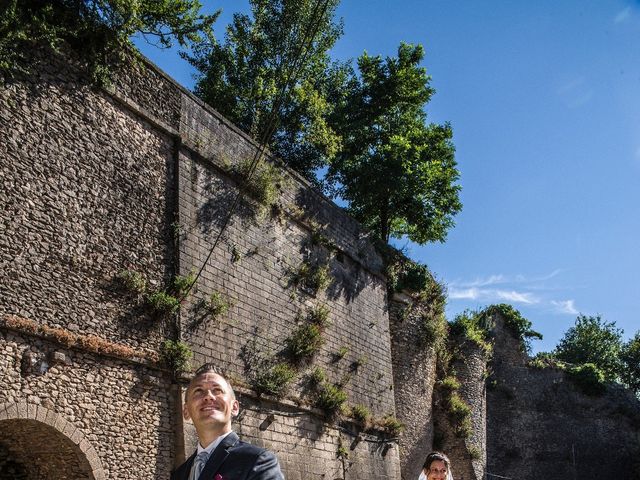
(593, 340)
(282, 42)
(98, 29)
(397, 172)
(630, 357)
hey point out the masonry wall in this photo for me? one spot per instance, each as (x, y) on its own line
(85, 196)
(539, 425)
(255, 261)
(414, 370)
(86, 415)
(137, 177)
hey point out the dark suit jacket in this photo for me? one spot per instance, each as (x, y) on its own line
(234, 459)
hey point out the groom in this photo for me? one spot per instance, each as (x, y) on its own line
(211, 403)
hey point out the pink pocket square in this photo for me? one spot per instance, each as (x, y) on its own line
(218, 477)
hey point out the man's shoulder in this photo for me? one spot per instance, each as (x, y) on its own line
(248, 448)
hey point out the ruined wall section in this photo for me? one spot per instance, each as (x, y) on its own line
(414, 371)
(540, 425)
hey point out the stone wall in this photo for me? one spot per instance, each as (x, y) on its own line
(254, 264)
(540, 425)
(468, 454)
(138, 177)
(88, 416)
(85, 195)
(414, 371)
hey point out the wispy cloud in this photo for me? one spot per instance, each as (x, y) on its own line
(575, 92)
(518, 289)
(565, 306)
(491, 295)
(517, 297)
(622, 16)
(500, 278)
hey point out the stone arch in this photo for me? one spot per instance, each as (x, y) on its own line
(36, 442)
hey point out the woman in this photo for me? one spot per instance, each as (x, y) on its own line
(436, 467)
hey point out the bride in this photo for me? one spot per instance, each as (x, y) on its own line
(436, 467)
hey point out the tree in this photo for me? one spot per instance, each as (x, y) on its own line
(630, 357)
(593, 340)
(282, 42)
(98, 29)
(397, 172)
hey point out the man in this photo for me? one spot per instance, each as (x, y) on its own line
(210, 403)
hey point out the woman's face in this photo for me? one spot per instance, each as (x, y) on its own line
(436, 471)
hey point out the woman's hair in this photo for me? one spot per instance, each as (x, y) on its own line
(434, 456)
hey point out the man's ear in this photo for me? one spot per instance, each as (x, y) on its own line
(235, 408)
(185, 412)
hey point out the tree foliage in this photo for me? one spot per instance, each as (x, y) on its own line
(397, 172)
(593, 340)
(630, 358)
(98, 29)
(282, 42)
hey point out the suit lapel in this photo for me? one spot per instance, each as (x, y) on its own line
(186, 468)
(218, 456)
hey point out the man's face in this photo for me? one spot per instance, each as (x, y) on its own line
(210, 403)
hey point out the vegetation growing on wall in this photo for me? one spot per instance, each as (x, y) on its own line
(99, 30)
(311, 277)
(520, 326)
(176, 355)
(475, 327)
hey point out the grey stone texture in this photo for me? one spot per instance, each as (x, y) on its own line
(467, 454)
(414, 372)
(89, 418)
(540, 425)
(136, 177)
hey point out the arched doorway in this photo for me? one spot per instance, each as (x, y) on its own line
(37, 443)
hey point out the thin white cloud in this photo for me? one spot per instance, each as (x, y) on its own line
(575, 92)
(622, 16)
(463, 294)
(491, 295)
(516, 297)
(499, 278)
(565, 306)
(484, 282)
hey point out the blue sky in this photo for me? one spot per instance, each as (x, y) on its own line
(544, 100)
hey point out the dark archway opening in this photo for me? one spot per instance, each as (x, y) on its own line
(31, 450)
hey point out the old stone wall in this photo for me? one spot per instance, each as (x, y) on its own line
(414, 371)
(540, 425)
(85, 195)
(468, 453)
(139, 176)
(255, 262)
(66, 413)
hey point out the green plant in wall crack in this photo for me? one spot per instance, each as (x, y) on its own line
(391, 425)
(163, 302)
(176, 355)
(182, 284)
(330, 398)
(304, 342)
(273, 379)
(217, 305)
(263, 184)
(311, 278)
(132, 281)
(361, 414)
